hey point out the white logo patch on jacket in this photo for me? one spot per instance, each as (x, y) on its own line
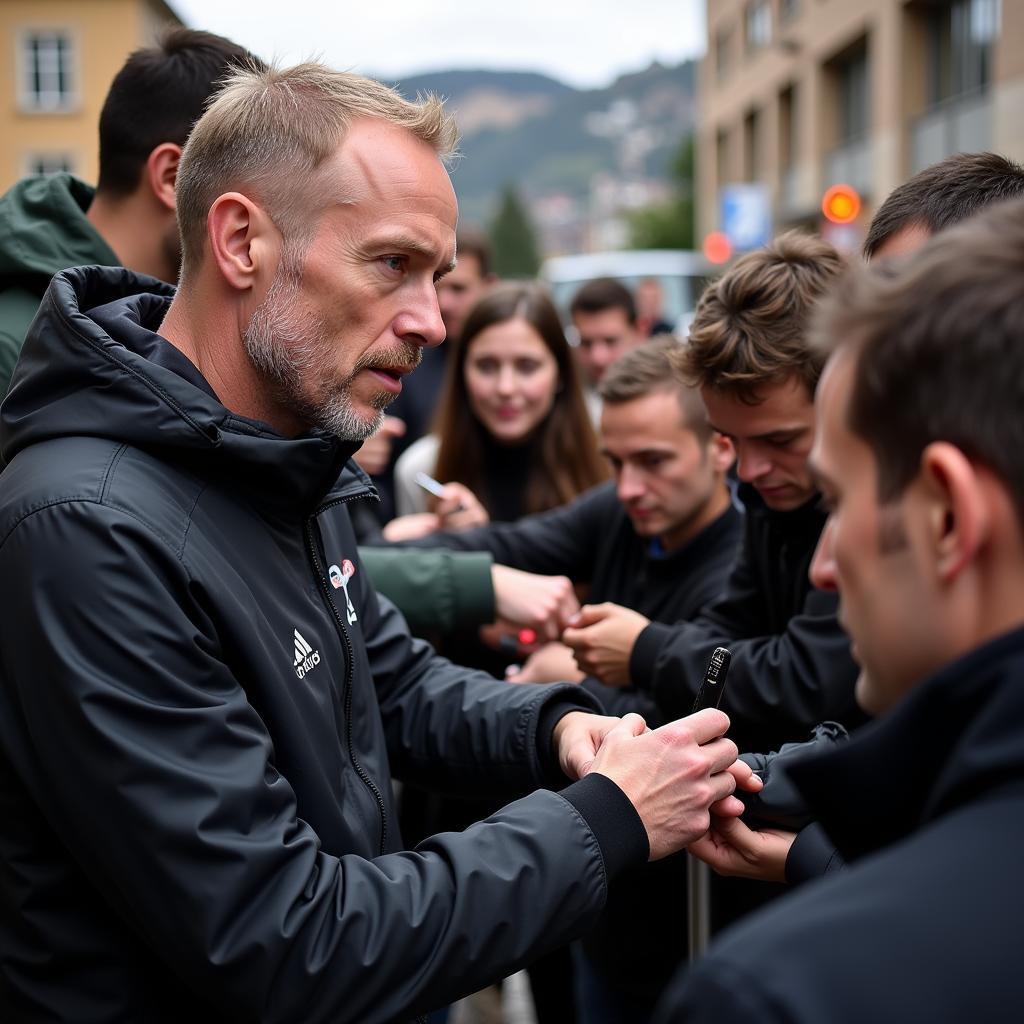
(306, 659)
(340, 578)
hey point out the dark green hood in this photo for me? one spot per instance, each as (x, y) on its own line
(43, 229)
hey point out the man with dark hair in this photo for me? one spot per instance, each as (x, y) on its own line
(791, 667)
(943, 194)
(53, 222)
(604, 315)
(202, 699)
(918, 450)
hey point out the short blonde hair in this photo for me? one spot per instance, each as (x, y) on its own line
(267, 132)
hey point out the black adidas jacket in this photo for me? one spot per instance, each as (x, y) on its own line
(201, 704)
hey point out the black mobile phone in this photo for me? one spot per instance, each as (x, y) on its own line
(710, 693)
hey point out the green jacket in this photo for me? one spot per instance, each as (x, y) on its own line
(434, 589)
(43, 229)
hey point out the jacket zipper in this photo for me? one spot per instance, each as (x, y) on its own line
(343, 632)
(350, 667)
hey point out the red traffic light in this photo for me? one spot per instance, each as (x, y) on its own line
(841, 204)
(717, 247)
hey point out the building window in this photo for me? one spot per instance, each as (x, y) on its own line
(961, 38)
(752, 158)
(854, 100)
(47, 78)
(48, 163)
(759, 24)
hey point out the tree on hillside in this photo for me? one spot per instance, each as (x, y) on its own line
(513, 238)
(669, 225)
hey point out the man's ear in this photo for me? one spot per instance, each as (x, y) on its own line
(162, 172)
(959, 517)
(243, 240)
(721, 452)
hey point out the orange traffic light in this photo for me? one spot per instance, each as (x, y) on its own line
(841, 204)
(717, 247)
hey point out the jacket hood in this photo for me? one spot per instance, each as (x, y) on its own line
(44, 229)
(93, 364)
(952, 740)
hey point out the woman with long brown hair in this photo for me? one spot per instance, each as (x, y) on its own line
(512, 425)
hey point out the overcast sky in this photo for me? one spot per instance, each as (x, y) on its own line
(585, 43)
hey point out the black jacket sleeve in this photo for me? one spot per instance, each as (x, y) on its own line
(136, 740)
(779, 685)
(560, 542)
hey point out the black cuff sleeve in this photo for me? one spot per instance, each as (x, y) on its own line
(812, 855)
(613, 819)
(550, 715)
(645, 653)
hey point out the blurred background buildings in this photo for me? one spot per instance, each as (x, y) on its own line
(799, 95)
(791, 97)
(59, 58)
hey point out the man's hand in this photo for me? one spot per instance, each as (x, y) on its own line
(672, 775)
(541, 603)
(460, 508)
(375, 453)
(553, 663)
(578, 737)
(731, 848)
(602, 637)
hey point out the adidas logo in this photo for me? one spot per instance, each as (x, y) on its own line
(306, 659)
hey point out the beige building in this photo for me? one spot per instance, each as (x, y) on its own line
(60, 58)
(799, 95)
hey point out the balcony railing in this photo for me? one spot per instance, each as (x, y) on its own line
(963, 125)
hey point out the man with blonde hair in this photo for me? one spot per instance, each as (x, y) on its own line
(202, 700)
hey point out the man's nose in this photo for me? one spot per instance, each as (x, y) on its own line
(421, 322)
(751, 464)
(823, 565)
(630, 485)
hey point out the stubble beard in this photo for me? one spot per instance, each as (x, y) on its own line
(292, 353)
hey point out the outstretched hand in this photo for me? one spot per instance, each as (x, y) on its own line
(602, 638)
(731, 847)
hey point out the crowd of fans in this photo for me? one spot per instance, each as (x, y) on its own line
(261, 720)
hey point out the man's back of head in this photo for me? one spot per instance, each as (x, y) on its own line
(939, 196)
(157, 97)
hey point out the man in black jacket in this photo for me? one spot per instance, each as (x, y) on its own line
(791, 665)
(918, 451)
(201, 698)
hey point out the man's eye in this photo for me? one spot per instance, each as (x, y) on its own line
(394, 263)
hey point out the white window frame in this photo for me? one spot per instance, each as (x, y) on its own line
(48, 100)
